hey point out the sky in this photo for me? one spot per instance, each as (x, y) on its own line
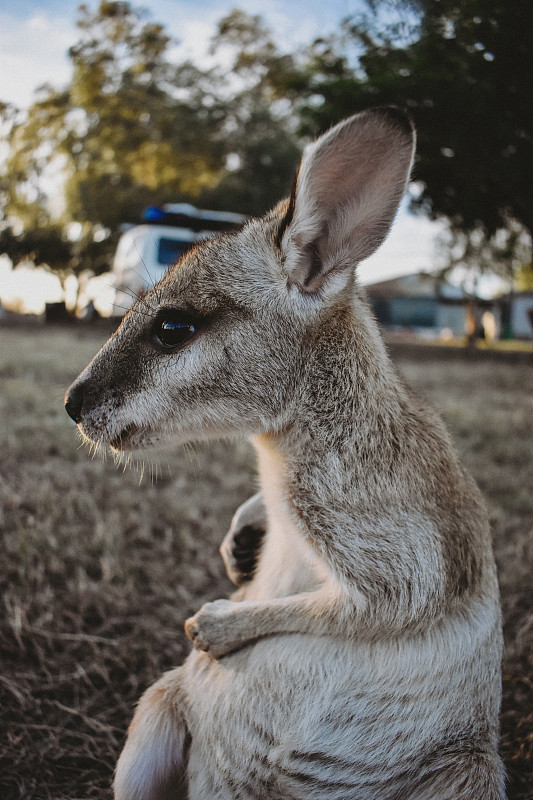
(35, 36)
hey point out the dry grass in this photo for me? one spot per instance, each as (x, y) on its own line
(101, 568)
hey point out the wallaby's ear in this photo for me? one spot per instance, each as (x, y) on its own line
(346, 195)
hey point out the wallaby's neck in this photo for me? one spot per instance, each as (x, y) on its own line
(354, 433)
(348, 405)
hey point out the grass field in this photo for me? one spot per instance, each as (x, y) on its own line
(100, 566)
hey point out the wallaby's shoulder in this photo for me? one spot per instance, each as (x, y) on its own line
(436, 481)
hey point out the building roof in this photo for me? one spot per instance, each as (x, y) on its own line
(417, 284)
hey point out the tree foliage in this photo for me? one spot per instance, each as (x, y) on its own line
(134, 128)
(40, 245)
(463, 70)
(258, 127)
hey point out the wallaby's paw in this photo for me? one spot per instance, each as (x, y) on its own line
(213, 628)
(240, 552)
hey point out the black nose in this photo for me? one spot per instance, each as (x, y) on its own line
(74, 401)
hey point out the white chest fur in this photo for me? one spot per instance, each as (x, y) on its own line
(288, 563)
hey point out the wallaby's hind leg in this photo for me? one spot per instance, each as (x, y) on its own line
(242, 544)
(152, 765)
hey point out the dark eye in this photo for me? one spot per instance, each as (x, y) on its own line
(172, 330)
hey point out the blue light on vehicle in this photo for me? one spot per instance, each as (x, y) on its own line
(153, 214)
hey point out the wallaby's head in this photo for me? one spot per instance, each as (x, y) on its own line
(219, 345)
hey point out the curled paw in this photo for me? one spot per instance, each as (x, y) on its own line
(240, 552)
(210, 628)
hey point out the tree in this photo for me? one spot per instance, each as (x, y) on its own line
(463, 69)
(524, 278)
(117, 139)
(39, 245)
(137, 139)
(133, 129)
(258, 128)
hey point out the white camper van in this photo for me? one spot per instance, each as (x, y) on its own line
(146, 251)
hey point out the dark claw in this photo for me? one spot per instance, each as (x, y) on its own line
(246, 548)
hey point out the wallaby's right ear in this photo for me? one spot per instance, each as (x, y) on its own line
(345, 198)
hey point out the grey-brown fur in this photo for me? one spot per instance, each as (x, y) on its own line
(362, 661)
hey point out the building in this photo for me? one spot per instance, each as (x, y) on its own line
(423, 303)
(517, 315)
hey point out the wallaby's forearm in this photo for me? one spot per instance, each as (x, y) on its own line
(390, 568)
(223, 626)
(391, 582)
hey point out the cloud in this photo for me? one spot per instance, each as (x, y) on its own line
(292, 23)
(34, 41)
(33, 51)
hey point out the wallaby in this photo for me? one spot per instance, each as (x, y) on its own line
(360, 657)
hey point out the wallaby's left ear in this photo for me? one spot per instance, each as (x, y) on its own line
(348, 189)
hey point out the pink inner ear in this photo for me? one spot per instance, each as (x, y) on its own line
(337, 174)
(348, 191)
